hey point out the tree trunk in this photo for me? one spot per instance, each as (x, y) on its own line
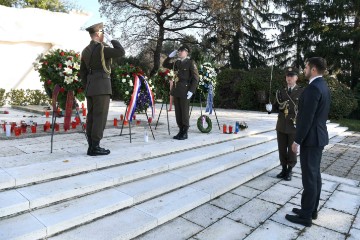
(158, 49)
(234, 53)
(355, 60)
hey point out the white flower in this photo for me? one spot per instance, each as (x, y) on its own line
(68, 80)
(150, 82)
(127, 92)
(61, 74)
(76, 66)
(123, 80)
(68, 70)
(76, 77)
(127, 76)
(68, 63)
(131, 83)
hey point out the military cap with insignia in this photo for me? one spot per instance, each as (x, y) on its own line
(95, 28)
(291, 71)
(184, 47)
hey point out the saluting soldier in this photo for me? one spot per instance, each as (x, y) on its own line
(287, 103)
(185, 83)
(95, 72)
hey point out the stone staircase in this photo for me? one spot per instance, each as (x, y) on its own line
(132, 190)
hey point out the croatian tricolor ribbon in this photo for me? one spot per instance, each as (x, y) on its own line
(134, 97)
(151, 96)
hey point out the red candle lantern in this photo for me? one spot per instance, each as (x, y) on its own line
(149, 119)
(134, 116)
(77, 119)
(126, 122)
(57, 127)
(82, 105)
(230, 128)
(23, 127)
(33, 128)
(115, 122)
(224, 128)
(17, 131)
(121, 117)
(138, 122)
(73, 125)
(13, 125)
(84, 112)
(47, 114)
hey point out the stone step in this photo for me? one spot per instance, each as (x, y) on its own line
(46, 171)
(43, 194)
(134, 221)
(74, 212)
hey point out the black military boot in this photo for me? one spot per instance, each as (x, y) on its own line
(96, 150)
(179, 134)
(283, 172)
(288, 174)
(90, 144)
(184, 134)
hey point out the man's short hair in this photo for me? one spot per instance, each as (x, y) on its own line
(317, 62)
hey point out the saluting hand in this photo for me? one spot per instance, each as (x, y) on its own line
(108, 37)
(173, 54)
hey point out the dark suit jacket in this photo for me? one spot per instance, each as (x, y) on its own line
(98, 82)
(187, 73)
(314, 107)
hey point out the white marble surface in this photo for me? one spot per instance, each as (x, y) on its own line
(320, 233)
(344, 202)
(334, 220)
(273, 230)
(205, 215)
(12, 202)
(6, 181)
(229, 201)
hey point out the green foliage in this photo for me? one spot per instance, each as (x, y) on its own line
(2, 97)
(343, 101)
(61, 67)
(51, 5)
(26, 97)
(351, 124)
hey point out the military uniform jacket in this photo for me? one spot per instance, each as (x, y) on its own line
(286, 125)
(187, 76)
(95, 80)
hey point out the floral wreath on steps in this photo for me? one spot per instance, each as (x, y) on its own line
(200, 124)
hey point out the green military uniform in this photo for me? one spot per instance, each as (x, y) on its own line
(95, 74)
(286, 103)
(187, 80)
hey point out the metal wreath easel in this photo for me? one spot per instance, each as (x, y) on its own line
(167, 114)
(192, 105)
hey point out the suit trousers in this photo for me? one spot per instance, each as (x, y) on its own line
(286, 155)
(182, 112)
(98, 108)
(310, 159)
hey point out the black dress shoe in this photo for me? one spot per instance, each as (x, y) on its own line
(299, 220)
(282, 173)
(298, 211)
(178, 135)
(288, 176)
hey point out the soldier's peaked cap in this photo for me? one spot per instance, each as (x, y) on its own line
(291, 71)
(95, 28)
(184, 47)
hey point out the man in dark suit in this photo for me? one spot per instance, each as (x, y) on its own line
(187, 78)
(312, 136)
(95, 69)
(287, 103)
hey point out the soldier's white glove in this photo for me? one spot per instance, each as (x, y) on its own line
(108, 37)
(189, 94)
(173, 54)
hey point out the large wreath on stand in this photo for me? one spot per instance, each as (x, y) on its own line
(60, 67)
(126, 79)
(206, 87)
(162, 83)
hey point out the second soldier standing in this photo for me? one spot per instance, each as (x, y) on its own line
(186, 80)
(287, 103)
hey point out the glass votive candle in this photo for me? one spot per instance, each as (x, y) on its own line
(33, 128)
(23, 127)
(73, 125)
(138, 122)
(115, 122)
(230, 128)
(47, 114)
(17, 131)
(84, 112)
(57, 127)
(126, 122)
(224, 128)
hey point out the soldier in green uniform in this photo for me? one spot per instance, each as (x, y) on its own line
(187, 78)
(95, 69)
(287, 103)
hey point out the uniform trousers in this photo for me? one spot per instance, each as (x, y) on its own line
(286, 155)
(182, 112)
(98, 108)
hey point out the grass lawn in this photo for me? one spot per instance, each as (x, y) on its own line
(352, 124)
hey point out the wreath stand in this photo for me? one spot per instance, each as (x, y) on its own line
(167, 115)
(192, 105)
(122, 125)
(55, 115)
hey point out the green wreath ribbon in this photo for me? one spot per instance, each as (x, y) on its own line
(200, 125)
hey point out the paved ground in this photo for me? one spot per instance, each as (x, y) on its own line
(254, 210)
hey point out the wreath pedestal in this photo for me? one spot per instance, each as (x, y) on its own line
(207, 119)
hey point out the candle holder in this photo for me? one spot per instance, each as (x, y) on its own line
(230, 128)
(224, 128)
(13, 125)
(115, 122)
(33, 128)
(17, 131)
(84, 112)
(73, 125)
(23, 127)
(126, 123)
(121, 117)
(138, 122)
(47, 114)
(57, 127)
